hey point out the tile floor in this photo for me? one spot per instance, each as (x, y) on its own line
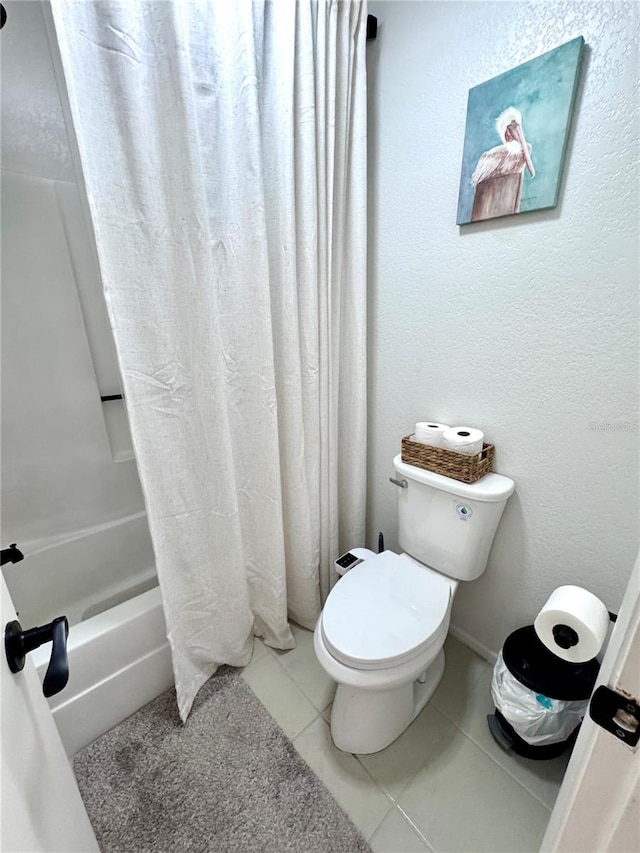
(444, 785)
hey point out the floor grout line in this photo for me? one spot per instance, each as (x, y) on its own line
(299, 686)
(276, 657)
(420, 835)
(445, 717)
(496, 762)
(375, 781)
(379, 824)
(455, 724)
(508, 772)
(302, 731)
(353, 755)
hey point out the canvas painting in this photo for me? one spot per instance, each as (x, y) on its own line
(516, 136)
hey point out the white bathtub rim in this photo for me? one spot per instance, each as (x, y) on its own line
(113, 699)
(66, 701)
(84, 633)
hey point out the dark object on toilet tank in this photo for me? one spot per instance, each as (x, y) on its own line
(372, 27)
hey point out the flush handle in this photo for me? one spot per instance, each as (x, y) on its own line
(402, 483)
(18, 643)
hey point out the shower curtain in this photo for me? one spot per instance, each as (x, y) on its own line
(223, 151)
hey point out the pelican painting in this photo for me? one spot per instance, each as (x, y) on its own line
(498, 177)
(516, 136)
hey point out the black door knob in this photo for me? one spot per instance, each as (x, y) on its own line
(18, 643)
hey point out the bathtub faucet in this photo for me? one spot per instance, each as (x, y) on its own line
(11, 555)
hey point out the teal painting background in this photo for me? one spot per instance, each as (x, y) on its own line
(543, 89)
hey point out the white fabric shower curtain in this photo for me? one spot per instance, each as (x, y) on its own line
(223, 149)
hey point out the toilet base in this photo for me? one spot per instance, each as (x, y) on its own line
(366, 721)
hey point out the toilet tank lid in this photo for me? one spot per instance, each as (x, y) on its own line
(491, 488)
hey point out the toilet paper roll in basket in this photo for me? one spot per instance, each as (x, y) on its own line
(573, 624)
(429, 432)
(463, 440)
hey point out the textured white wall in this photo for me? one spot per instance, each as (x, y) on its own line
(58, 473)
(34, 138)
(525, 327)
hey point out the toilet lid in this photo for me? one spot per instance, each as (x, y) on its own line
(384, 611)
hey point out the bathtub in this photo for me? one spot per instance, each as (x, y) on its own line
(103, 580)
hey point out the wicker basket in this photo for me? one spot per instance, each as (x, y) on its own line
(458, 466)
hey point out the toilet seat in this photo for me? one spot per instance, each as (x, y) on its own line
(385, 611)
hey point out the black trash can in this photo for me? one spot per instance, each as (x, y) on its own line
(549, 682)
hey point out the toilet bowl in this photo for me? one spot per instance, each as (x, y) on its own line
(385, 653)
(381, 633)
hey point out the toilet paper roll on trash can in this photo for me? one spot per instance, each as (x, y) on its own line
(545, 674)
(540, 699)
(573, 624)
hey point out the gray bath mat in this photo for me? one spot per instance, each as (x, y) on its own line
(227, 781)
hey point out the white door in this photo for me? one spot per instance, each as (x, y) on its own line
(41, 806)
(598, 807)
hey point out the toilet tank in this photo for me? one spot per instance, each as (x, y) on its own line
(446, 524)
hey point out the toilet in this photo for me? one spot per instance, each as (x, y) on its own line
(381, 633)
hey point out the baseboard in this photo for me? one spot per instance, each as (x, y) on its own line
(473, 644)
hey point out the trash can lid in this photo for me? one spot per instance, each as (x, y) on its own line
(530, 661)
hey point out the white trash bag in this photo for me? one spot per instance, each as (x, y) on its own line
(538, 719)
